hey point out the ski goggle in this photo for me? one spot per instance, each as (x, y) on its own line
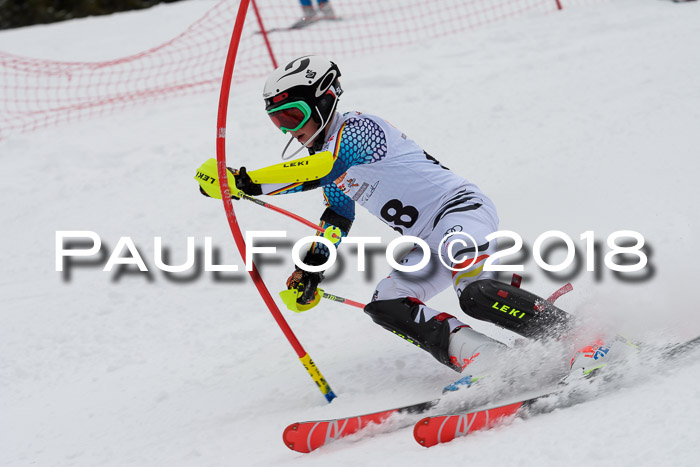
(291, 116)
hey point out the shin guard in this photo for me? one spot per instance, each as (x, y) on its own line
(514, 309)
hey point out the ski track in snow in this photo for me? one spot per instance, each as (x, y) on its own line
(581, 120)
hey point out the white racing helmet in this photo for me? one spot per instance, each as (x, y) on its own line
(305, 88)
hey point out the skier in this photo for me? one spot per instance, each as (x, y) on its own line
(382, 169)
(310, 15)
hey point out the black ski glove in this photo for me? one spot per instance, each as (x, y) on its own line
(307, 282)
(245, 184)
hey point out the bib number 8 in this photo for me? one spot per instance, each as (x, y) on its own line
(394, 212)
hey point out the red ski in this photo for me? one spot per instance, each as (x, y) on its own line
(308, 436)
(443, 428)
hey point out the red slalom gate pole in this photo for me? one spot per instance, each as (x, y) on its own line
(263, 31)
(231, 216)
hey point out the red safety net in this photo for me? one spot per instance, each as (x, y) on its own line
(36, 93)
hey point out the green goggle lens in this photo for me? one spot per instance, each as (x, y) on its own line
(291, 116)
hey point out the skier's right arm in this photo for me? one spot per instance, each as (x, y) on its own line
(240, 182)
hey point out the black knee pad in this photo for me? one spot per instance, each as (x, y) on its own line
(398, 315)
(514, 309)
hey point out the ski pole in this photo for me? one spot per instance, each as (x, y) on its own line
(289, 298)
(332, 233)
(346, 301)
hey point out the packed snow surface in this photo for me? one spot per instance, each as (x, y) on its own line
(582, 120)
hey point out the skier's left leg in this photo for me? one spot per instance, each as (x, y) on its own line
(484, 298)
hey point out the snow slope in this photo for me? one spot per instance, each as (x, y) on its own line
(581, 120)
